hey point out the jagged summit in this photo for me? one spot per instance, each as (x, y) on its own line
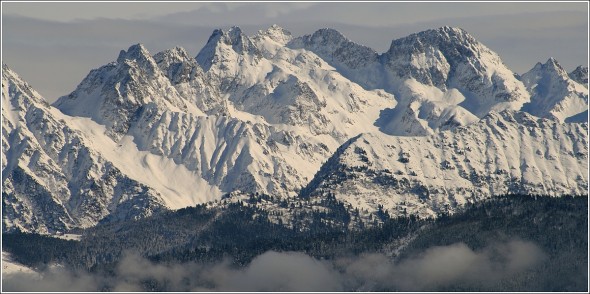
(15, 84)
(552, 61)
(328, 36)
(551, 65)
(235, 37)
(135, 52)
(553, 93)
(277, 34)
(177, 65)
(434, 54)
(112, 94)
(580, 75)
(450, 58)
(177, 53)
(336, 49)
(221, 40)
(454, 43)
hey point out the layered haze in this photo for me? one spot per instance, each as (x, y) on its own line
(40, 38)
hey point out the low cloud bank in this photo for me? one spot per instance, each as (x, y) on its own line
(431, 270)
(445, 266)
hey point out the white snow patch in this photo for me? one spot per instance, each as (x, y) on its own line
(178, 186)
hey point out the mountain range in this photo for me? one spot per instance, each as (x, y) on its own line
(436, 122)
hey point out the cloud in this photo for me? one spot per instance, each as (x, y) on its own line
(271, 271)
(446, 266)
(274, 271)
(431, 270)
(52, 279)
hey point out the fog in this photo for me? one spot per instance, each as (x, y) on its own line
(430, 270)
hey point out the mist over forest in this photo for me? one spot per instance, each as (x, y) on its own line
(487, 247)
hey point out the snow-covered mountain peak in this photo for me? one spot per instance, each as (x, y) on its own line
(177, 65)
(16, 91)
(553, 62)
(237, 39)
(135, 52)
(440, 37)
(55, 175)
(172, 58)
(455, 44)
(336, 49)
(328, 36)
(453, 32)
(505, 152)
(434, 55)
(112, 94)
(222, 40)
(8, 75)
(551, 66)
(448, 58)
(272, 40)
(176, 54)
(553, 93)
(277, 34)
(580, 75)
(139, 55)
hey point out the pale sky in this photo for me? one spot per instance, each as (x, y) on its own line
(54, 45)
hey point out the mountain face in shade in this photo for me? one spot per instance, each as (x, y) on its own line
(431, 124)
(580, 75)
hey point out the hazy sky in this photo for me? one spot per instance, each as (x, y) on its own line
(54, 45)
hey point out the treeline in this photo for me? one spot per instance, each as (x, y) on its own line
(557, 225)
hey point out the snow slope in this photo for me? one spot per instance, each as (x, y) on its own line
(504, 153)
(442, 78)
(61, 172)
(247, 114)
(553, 93)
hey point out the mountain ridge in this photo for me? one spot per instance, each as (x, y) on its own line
(264, 113)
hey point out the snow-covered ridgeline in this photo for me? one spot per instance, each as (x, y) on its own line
(504, 153)
(262, 114)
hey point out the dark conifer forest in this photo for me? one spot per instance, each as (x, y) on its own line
(556, 227)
